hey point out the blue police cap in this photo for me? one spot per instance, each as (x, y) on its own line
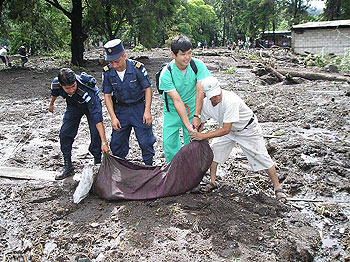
(114, 49)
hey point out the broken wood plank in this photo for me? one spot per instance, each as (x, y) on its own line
(27, 173)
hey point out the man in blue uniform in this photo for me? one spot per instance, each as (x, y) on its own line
(128, 97)
(81, 94)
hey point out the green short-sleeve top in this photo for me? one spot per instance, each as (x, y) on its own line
(185, 85)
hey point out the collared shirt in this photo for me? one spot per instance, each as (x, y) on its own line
(132, 88)
(91, 102)
(185, 85)
(232, 109)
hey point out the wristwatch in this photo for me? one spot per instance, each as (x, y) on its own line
(199, 116)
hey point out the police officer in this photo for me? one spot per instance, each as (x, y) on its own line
(81, 94)
(128, 97)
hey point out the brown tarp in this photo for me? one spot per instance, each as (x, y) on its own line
(121, 179)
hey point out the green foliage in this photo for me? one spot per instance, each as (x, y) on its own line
(337, 9)
(253, 56)
(36, 24)
(60, 54)
(150, 23)
(139, 48)
(342, 62)
(231, 70)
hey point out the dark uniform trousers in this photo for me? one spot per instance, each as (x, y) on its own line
(69, 130)
(132, 116)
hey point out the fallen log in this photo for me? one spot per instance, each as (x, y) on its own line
(313, 75)
(277, 74)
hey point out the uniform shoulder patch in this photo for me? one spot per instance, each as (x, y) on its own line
(105, 68)
(138, 64)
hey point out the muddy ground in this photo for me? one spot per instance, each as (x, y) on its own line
(307, 129)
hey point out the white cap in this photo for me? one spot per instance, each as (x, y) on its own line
(211, 87)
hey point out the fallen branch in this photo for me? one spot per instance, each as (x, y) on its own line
(313, 75)
(324, 201)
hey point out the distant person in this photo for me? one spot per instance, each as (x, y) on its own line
(228, 44)
(212, 44)
(233, 45)
(184, 95)
(81, 94)
(23, 53)
(128, 96)
(205, 44)
(4, 55)
(237, 124)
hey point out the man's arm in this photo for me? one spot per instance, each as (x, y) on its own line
(147, 117)
(109, 104)
(102, 133)
(52, 102)
(224, 130)
(180, 109)
(199, 103)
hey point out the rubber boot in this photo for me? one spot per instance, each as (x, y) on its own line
(97, 160)
(68, 169)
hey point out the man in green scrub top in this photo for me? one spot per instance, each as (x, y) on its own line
(183, 90)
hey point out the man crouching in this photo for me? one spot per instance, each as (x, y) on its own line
(237, 125)
(81, 94)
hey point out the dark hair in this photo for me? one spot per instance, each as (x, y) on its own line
(182, 43)
(66, 77)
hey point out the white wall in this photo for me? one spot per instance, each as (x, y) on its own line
(321, 41)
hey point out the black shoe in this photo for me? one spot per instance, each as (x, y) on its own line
(68, 169)
(97, 161)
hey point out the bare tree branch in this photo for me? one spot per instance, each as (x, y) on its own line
(56, 4)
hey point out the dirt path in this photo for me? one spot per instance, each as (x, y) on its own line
(241, 221)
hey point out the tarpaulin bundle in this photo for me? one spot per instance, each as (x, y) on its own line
(121, 179)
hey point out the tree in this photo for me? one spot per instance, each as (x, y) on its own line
(36, 23)
(142, 21)
(337, 9)
(77, 33)
(196, 20)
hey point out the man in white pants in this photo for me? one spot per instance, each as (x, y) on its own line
(4, 57)
(237, 125)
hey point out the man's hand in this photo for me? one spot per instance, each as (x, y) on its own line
(105, 147)
(116, 124)
(147, 118)
(51, 108)
(196, 122)
(194, 135)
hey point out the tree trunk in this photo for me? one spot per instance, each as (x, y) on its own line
(224, 31)
(1, 3)
(78, 37)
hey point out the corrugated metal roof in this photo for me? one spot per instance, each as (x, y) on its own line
(276, 32)
(335, 23)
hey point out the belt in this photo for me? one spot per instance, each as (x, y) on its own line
(129, 104)
(250, 121)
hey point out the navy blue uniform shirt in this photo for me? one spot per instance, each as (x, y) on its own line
(86, 98)
(132, 88)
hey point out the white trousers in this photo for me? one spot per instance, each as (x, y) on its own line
(252, 143)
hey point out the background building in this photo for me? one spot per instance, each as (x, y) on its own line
(329, 37)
